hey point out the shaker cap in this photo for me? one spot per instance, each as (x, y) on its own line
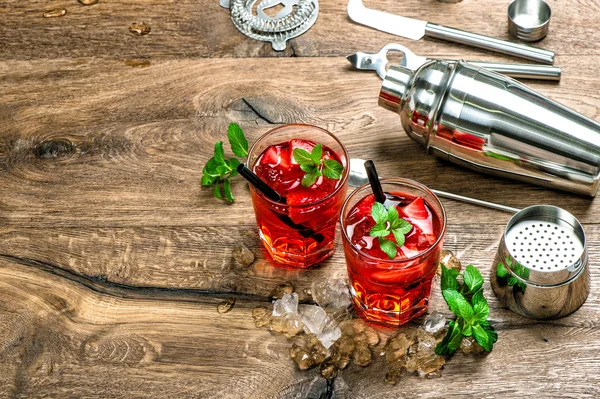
(394, 87)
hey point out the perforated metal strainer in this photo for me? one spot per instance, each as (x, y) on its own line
(541, 269)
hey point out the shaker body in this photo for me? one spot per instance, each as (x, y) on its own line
(496, 125)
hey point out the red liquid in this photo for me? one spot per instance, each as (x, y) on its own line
(303, 232)
(391, 292)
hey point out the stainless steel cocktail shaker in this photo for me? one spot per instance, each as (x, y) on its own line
(494, 124)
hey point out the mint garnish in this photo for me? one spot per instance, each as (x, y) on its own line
(314, 167)
(471, 310)
(219, 170)
(387, 221)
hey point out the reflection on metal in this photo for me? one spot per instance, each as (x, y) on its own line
(494, 124)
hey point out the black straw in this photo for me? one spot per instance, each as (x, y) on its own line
(259, 184)
(374, 181)
(273, 195)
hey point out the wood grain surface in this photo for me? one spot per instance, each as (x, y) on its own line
(113, 258)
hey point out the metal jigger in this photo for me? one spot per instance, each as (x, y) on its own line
(494, 124)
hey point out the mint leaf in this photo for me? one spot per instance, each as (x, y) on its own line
(379, 213)
(512, 280)
(219, 153)
(309, 168)
(302, 157)
(211, 167)
(449, 281)
(208, 180)
(379, 230)
(332, 169)
(233, 164)
(491, 331)
(227, 190)
(223, 170)
(458, 304)
(218, 191)
(388, 246)
(482, 337)
(481, 308)
(501, 270)
(239, 144)
(310, 178)
(442, 348)
(451, 341)
(392, 216)
(399, 236)
(317, 153)
(403, 226)
(472, 278)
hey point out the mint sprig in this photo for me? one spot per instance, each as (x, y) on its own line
(218, 170)
(467, 302)
(387, 221)
(314, 166)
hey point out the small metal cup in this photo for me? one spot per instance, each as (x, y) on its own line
(541, 268)
(529, 20)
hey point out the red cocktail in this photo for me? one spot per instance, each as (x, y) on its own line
(392, 291)
(300, 232)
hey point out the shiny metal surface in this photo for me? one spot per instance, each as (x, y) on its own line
(415, 29)
(489, 43)
(358, 177)
(296, 17)
(529, 20)
(493, 124)
(541, 269)
(378, 62)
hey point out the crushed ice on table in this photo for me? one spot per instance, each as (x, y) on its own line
(281, 290)
(225, 306)
(140, 28)
(449, 260)
(261, 316)
(412, 354)
(434, 322)
(287, 304)
(332, 293)
(469, 346)
(57, 12)
(313, 317)
(242, 255)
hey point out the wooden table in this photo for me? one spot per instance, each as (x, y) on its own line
(113, 258)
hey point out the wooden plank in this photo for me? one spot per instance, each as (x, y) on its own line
(199, 261)
(63, 337)
(99, 143)
(192, 29)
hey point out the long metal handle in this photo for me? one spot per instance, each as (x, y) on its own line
(522, 71)
(475, 201)
(489, 43)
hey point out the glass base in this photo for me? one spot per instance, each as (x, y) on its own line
(296, 253)
(387, 318)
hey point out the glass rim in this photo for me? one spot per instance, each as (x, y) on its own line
(406, 182)
(343, 180)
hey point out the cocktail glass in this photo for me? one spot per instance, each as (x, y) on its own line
(300, 233)
(392, 292)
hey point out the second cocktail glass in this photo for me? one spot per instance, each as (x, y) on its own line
(301, 232)
(387, 291)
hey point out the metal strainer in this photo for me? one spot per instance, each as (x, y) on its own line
(541, 269)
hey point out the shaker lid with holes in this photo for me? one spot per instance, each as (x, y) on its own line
(544, 245)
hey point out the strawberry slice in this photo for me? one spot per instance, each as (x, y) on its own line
(273, 157)
(365, 205)
(299, 143)
(416, 209)
(417, 214)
